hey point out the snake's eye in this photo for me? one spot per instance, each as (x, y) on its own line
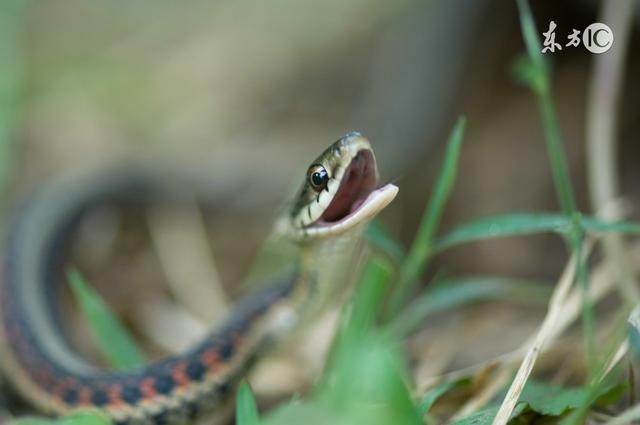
(318, 177)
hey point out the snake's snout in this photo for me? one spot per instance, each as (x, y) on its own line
(352, 134)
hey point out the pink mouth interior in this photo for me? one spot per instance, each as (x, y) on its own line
(358, 181)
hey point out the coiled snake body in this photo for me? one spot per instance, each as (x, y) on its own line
(339, 195)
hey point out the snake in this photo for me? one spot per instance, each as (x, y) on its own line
(339, 195)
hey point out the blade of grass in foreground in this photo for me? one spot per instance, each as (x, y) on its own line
(114, 341)
(32, 421)
(369, 294)
(87, 417)
(368, 386)
(422, 247)
(359, 317)
(246, 410)
(366, 376)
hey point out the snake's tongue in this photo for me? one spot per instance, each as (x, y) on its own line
(358, 181)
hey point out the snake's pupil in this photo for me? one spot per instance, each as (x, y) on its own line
(319, 178)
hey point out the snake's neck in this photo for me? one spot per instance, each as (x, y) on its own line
(329, 267)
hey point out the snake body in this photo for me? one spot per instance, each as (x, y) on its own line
(337, 198)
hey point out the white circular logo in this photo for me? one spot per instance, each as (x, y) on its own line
(597, 38)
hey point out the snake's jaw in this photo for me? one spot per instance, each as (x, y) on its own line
(348, 199)
(375, 202)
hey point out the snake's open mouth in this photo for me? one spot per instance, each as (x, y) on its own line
(358, 181)
(357, 197)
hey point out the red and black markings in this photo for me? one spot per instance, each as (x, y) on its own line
(117, 390)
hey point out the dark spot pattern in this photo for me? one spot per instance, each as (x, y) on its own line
(131, 394)
(99, 398)
(70, 396)
(226, 350)
(164, 384)
(195, 370)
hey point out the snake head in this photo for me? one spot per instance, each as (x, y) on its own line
(340, 191)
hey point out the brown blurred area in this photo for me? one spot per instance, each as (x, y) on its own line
(272, 83)
(268, 85)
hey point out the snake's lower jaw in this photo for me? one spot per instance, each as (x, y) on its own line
(366, 209)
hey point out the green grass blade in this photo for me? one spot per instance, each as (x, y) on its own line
(114, 341)
(360, 316)
(525, 72)
(32, 421)
(588, 317)
(530, 36)
(501, 226)
(89, 417)
(552, 401)
(541, 87)
(435, 393)
(368, 384)
(365, 381)
(378, 237)
(592, 224)
(370, 293)
(594, 394)
(422, 247)
(246, 410)
(86, 417)
(454, 293)
(557, 156)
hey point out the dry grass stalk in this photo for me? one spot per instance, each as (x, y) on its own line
(478, 401)
(603, 102)
(622, 351)
(547, 331)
